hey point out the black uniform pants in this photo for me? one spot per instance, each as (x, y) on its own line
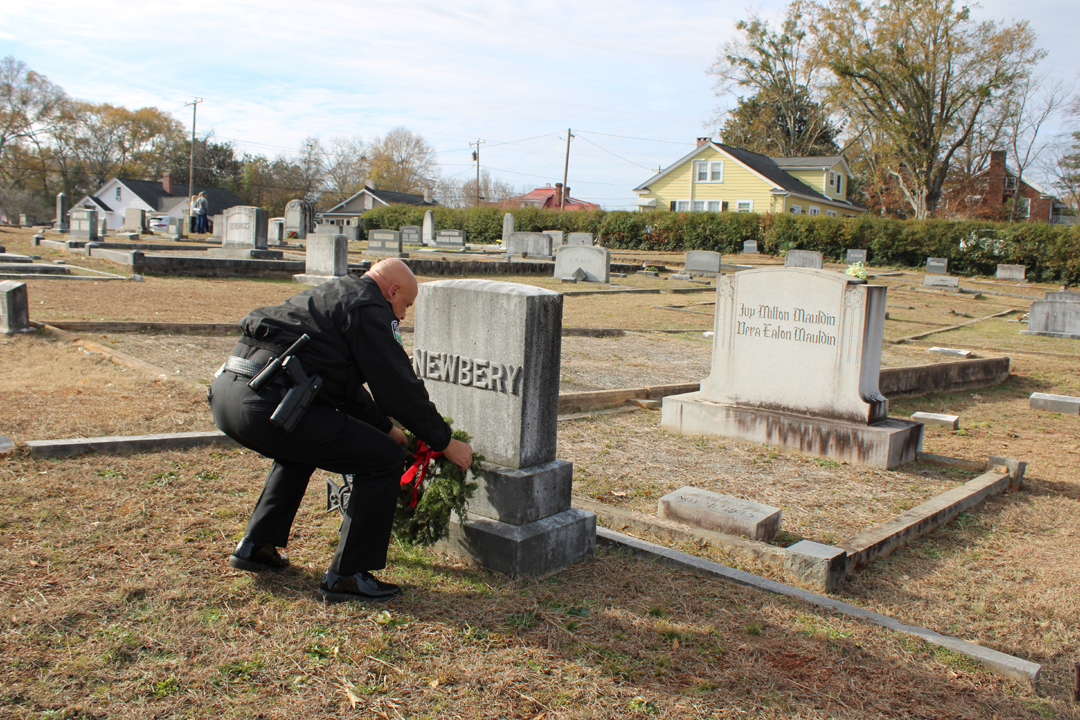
(326, 439)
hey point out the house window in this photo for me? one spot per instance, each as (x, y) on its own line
(745, 206)
(682, 205)
(813, 210)
(699, 206)
(830, 213)
(795, 210)
(1010, 183)
(832, 179)
(717, 206)
(117, 192)
(839, 184)
(709, 171)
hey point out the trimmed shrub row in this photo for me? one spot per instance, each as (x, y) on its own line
(1050, 252)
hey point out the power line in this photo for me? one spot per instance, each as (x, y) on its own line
(613, 154)
(630, 137)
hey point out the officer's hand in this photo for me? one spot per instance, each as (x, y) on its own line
(398, 436)
(459, 453)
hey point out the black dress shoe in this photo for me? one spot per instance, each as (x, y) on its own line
(257, 558)
(361, 587)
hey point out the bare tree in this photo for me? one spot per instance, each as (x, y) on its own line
(346, 165)
(1030, 106)
(403, 161)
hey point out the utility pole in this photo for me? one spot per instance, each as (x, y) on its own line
(191, 156)
(566, 169)
(476, 157)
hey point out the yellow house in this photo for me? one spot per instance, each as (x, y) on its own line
(719, 178)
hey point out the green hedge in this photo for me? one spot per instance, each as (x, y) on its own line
(1050, 252)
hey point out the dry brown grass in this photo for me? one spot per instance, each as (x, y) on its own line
(118, 602)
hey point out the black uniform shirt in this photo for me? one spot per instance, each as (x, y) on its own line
(353, 334)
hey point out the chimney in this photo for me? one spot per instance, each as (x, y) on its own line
(995, 179)
(703, 141)
(558, 194)
(369, 183)
(166, 183)
(429, 195)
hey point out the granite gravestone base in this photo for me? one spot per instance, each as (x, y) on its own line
(384, 244)
(489, 354)
(326, 259)
(796, 359)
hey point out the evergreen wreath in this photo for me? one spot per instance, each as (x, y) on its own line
(426, 500)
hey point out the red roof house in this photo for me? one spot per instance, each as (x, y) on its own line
(549, 198)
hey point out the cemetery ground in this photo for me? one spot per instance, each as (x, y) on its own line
(117, 601)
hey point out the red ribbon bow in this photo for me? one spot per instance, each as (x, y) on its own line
(421, 458)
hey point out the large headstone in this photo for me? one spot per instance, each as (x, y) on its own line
(299, 219)
(427, 229)
(804, 259)
(84, 224)
(796, 358)
(593, 262)
(245, 235)
(1054, 318)
(62, 213)
(385, 243)
(558, 237)
(856, 256)
(410, 235)
(489, 354)
(508, 227)
(1011, 272)
(579, 238)
(702, 262)
(450, 239)
(327, 257)
(14, 307)
(937, 266)
(533, 244)
(217, 224)
(134, 220)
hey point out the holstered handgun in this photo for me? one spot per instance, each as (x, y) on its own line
(299, 397)
(271, 370)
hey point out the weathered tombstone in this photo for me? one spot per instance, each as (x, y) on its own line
(533, 244)
(245, 235)
(410, 235)
(856, 256)
(14, 307)
(326, 258)
(489, 354)
(937, 266)
(299, 219)
(1054, 318)
(351, 232)
(950, 421)
(1011, 272)
(558, 237)
(427, 230)
(1055, 403)
(594, 262)
(450, 239)
(796, 359)
(174, 227)
(942, 282)
(134, 220)
(27, 220)
(103, 226)
(579, 238)
(1062, 295)
(508, 227)
(749, 247)
(722, 513)
(702, 262)
(62, 213)
(217, 227)
(275, 231)
(804, 259)
(84, 224)
(385, 243)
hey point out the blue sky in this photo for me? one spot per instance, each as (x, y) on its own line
(628, 77)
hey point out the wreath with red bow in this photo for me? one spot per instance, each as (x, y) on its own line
(432, 488)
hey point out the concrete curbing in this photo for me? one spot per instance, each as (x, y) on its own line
(114, 444)
(999, 663)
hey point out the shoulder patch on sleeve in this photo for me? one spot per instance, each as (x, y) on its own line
(394, 329)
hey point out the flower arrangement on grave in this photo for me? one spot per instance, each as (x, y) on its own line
(432, 487)
(292, 235)
(857, 270)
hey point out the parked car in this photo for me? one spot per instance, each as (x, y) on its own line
(157, 223)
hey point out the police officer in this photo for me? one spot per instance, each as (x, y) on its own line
(352, 325)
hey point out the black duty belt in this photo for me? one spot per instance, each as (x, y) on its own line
(243, 366)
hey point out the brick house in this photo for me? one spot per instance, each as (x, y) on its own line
(989, 194)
